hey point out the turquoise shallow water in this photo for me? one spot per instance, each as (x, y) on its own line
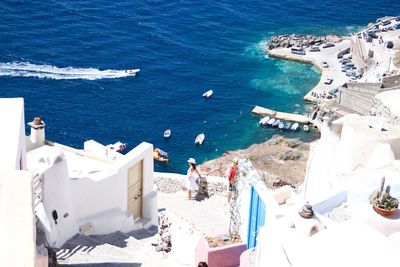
(183, 48)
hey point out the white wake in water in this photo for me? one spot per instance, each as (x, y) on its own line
(27, 69)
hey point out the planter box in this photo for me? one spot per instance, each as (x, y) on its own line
(225, 256)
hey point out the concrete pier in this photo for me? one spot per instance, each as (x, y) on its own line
(280, 115)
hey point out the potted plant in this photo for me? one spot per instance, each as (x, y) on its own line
(382, 202)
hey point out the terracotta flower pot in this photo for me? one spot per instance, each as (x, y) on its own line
(384, 212)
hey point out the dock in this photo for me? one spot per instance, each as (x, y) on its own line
(280, 115)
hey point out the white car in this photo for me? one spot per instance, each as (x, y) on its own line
(325, 64)
(328, 81)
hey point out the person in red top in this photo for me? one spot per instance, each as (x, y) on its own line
(232, 177)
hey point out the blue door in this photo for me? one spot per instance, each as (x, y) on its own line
(256, 217)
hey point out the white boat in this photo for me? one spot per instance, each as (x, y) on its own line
(306, 128)
(264, 120)
(208, 93)
(281, 125)
(167, 133)
(276, 123)
(294, 126)
(199, 139)
(132, 72)
(118, 147)
(271, 121)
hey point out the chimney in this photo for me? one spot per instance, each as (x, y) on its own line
(37, 131)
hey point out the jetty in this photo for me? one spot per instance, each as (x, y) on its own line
(280, 115)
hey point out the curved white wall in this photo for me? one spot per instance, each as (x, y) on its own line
(359, 141)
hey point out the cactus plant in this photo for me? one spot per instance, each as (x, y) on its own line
(383, 199)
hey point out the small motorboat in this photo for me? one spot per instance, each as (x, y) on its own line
(167, 133)
(263, 121)
(288, 125)
(199, 139)
(276, 123)
(281, 125)
(208, 93)
(117, 147)
(306, 128)
(160, 155)
(271, 121)
(294, 126)
(132, 72)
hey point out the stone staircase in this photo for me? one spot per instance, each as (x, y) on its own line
(116, 249)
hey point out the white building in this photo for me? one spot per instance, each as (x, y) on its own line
(344, 167)
(89, 191)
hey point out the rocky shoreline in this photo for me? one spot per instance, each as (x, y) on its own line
(279, 161)
(290, 40)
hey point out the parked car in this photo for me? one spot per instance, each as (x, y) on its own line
(385, 22)
(397, 18)
(326, 45)
(314, 49)
(328, 81)
(372, 34)
(389, 44)
(350, 73)
(324, 64)
(397, 26)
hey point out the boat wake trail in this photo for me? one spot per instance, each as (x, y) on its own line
(27, 69)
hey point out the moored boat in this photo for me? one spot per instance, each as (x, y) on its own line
(306, 128)
(281, 125)
(167, 133)
(208, 93)
(160, 155)
(271, 121)
(263, 121)
(294, 126)
(288, 125)
(276, 123)
(199, 139)
(118, 147)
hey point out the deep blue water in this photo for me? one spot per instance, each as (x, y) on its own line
(183, 48)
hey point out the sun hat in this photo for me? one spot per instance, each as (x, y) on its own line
(191, 160)
(235, 160)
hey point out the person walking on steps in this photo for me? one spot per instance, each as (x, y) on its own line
(191, 178)
(232, 177)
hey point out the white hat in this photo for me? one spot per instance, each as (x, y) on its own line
(192, 160)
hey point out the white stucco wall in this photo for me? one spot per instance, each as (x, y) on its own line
(94, 194)
(17, 220)
(12, 134)
(360, 138)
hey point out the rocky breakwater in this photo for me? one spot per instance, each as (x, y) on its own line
(286, 41)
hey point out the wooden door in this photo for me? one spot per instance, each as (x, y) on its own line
(135, 178)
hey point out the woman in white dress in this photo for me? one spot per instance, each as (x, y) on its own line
(191, 177)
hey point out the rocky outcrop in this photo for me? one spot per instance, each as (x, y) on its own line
(284, 41)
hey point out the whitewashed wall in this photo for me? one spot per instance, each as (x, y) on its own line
(102, 203)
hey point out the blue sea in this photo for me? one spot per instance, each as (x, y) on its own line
(68, 58)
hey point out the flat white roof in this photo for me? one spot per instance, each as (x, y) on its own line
(79, 166)
(11, 119)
